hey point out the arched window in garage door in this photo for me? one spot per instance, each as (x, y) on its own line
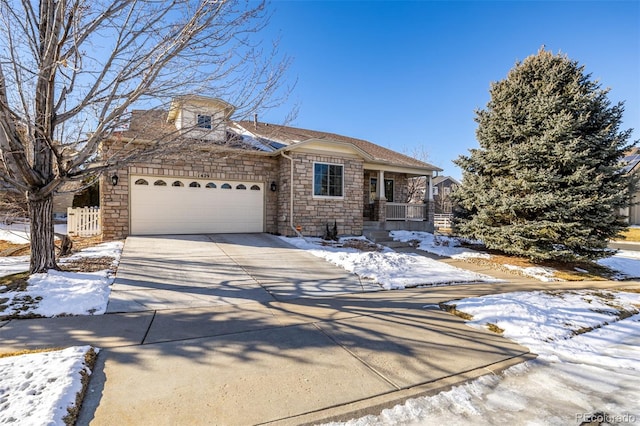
(177, 183)
(141, 182)
(160, 182)
(211, 185)
(225, 186)
(194, 185)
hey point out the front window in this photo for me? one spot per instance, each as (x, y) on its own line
(327, 180)
(204, 121)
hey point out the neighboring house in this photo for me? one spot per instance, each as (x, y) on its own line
(247, 176)
(443, 187)
(631, 163)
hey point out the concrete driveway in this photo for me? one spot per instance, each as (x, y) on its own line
(244, 329)
(189, 271)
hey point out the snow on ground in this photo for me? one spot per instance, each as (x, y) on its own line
(60, 293)
(625, 262)
(37, 388)
(18, 233)
(389, 269)
(451, 247)
(440, 244)
(13, 264)
(588, 364)
(538, 272)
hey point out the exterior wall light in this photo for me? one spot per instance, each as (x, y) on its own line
(114, 179)
(274, 186)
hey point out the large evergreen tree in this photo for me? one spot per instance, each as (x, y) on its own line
(546, 182)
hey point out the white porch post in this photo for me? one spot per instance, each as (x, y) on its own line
(428, 200)
(381, 195)
(428, 196)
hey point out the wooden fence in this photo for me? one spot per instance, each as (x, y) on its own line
(83, 221)
(442, 221)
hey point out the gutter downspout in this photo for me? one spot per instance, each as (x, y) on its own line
(291, 196)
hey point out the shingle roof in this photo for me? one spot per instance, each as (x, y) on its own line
(292, 135)
(152, 125)
(439, 179)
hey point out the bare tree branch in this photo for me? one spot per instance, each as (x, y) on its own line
(72, 70)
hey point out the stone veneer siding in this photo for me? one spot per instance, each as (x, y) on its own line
(198, 164)
(311, 213)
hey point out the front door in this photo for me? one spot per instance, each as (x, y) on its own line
(373, 189)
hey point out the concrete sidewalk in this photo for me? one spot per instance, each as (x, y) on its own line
(252, 340)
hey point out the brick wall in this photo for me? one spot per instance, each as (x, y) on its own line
(199, 164)
(313, 213)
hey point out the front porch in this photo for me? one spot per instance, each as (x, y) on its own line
(402, 202)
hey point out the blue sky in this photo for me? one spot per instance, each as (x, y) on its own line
(409, 75)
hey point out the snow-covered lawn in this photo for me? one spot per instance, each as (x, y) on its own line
(626, 263)
(440, 244)
(18, 233)
(588, 365)
(39, 388)
(63, 293)
(388, 268)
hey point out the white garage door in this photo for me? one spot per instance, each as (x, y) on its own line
(165, 205)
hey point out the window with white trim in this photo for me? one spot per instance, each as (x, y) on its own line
(328, 180)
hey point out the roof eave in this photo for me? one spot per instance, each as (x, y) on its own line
(330, 142)
(389, 166)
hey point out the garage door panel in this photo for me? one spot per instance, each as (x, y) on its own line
(184, 209)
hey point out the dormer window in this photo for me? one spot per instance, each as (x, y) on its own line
(204, 121)
(199, 117)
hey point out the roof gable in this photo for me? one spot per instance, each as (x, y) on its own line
(442, 179)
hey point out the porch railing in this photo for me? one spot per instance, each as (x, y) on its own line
(406, 211)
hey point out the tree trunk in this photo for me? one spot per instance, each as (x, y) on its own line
(43, 249)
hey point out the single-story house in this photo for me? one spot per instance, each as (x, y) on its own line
(250, 176)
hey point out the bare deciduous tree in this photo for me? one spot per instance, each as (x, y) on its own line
(70, 70)
(417, 186)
